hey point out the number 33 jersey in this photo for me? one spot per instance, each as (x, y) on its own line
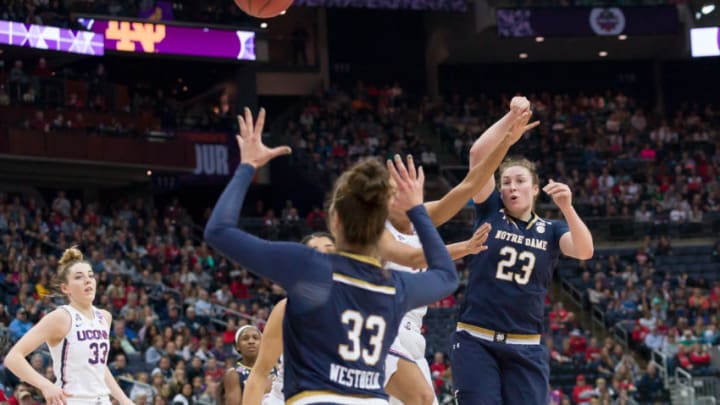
(79, 360)
(509, 281)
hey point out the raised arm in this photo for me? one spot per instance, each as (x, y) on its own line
(276, 261)
(270, 351)
(480, 174)
(441, 278)
(397, 252)
(492, 137)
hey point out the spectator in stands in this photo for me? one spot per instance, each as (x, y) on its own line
(582, 392)
(154, 352)
(437, 369)
(119, 368)
(650, 386)
(20, 325)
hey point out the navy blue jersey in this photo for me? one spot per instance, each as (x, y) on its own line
(366, 304)
(509, 281)
(243, 372)
(343, 310)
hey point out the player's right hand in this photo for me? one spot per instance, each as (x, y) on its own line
(252, 149)
(476, 243)
(519, 105)
(55, 395)
(521, 126)
(409, 182)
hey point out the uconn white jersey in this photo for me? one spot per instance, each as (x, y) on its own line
(415, 316)
(79, 361)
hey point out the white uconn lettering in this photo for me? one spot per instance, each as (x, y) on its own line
(91, 335)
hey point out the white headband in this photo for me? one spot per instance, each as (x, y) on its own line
(242, 329)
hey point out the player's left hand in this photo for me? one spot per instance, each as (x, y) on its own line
(252, 149)
(476, 243)
(560, 193)
(409, 182)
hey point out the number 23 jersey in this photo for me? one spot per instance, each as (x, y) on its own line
(509, 281)
(80, 359)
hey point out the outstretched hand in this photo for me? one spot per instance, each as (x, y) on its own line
(476, 243)
(252, 149)
(409, 182)
(521, 126)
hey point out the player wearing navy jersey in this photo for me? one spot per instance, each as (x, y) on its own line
(78, 337)
(407, 372)
(496, 354)
(343, 310)
(232, 386)
(270, 354)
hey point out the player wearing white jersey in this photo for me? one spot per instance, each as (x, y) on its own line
(78, 337)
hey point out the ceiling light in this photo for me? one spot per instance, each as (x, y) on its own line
(539, 39)
(602, 54)
(708, 8)
(523, 55)
(622, 37)
(283, 12)
(263, 25)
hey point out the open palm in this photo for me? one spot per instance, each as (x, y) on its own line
(252, 149)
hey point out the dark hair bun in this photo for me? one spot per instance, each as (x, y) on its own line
(370, 183)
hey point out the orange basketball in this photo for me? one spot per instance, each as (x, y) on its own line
(263, 8)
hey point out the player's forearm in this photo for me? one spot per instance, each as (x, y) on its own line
(254, 388)
(276, 261)
(447, 207)
(226, 213)
(492, 137)
(457, 251)
(580, 234)
(440, 265)
(15, 362)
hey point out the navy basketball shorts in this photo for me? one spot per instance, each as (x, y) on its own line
(492, 373)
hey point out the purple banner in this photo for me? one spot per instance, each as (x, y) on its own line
(549, 22)
(147, 37)
(160, 11)
(51, 38)
(436, 5)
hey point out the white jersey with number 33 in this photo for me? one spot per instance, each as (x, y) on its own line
(80, 360)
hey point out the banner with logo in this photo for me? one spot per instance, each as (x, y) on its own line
(598, 21)
(705, 41)
(51, 38)
(156, 38)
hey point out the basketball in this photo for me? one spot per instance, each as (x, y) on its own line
(263, 8)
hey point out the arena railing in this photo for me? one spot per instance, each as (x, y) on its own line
(684, 385)
(661, 362)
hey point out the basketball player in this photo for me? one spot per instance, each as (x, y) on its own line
(78, 337)
(270, 355)
(407, 372)
(496, 354)
(247, 343)
(344, 309)
(407, 376)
